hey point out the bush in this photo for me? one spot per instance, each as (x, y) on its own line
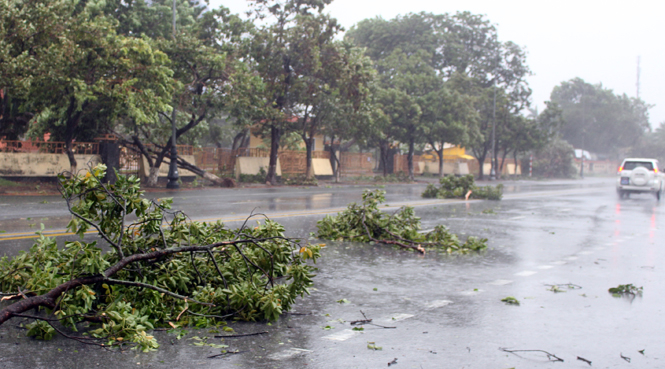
(366, 223)
(300, 180)
(260, 177)
(393, 178)
(452, 187)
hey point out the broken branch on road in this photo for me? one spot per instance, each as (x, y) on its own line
(367, 223)
(243, 335)
(550, 356)
(160, 269)
(585, 360)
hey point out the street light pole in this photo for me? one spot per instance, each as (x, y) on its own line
(173, 167)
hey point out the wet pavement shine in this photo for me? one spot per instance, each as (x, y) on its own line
(436, 310)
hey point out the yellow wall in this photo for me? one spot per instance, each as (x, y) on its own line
(40, 164)
(322, 167)
(253, 165)
(164, 168)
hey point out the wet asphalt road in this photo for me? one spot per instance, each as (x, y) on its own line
(446, 310)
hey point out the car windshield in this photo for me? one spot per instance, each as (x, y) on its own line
(630, 165)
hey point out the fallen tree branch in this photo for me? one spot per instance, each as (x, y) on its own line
(226, 353)
(368, 322)
(550, 356)
(163, 267)
(243, 335)
(585, 360)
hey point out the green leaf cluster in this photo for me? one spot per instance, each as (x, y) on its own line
(625, 289)
(255, 279)
(510, 300)
(366, 223)
(452, 187)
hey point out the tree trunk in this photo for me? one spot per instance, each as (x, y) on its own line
(309, 172)
(481, 163)
(338, 173)
(384, 157)
(333, 162)
(439, 153)
(410, 159)
(515, 161)
(70, 129)
(503, 161)
(274, 149)
(69, 150)
(153, 176)
(223, 182)
(238, 140)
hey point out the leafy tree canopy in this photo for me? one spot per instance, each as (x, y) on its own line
(597, 119)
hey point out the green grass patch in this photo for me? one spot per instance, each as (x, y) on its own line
(8, 183)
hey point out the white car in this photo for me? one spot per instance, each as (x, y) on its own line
(639, 175)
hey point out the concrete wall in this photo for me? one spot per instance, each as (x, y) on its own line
(40, 164)
(449, 167)
(252, 165)
(322, 167)
(164, 168)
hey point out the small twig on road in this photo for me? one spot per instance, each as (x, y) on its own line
(550, 356)
(381, 326)
(225, 353)
(242, 335)
(624, 357)
(362, 321)
(585, 360)
(394, 362)
(368, 321)
(569, 286)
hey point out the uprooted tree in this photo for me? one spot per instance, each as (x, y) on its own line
(366, 223)
(159, 269)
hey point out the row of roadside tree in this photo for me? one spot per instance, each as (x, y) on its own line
(78, 68)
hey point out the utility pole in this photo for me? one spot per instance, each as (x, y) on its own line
(493, 170)
(173, 167)
(583, 135)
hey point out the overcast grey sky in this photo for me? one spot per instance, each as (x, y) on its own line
(597, 40)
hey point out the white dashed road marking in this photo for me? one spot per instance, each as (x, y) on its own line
(501, 282)
(543, 267)
(471, 292)
(288, 353)
(437, 304)
(342, 335)
(397, 317)
(525, 273)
